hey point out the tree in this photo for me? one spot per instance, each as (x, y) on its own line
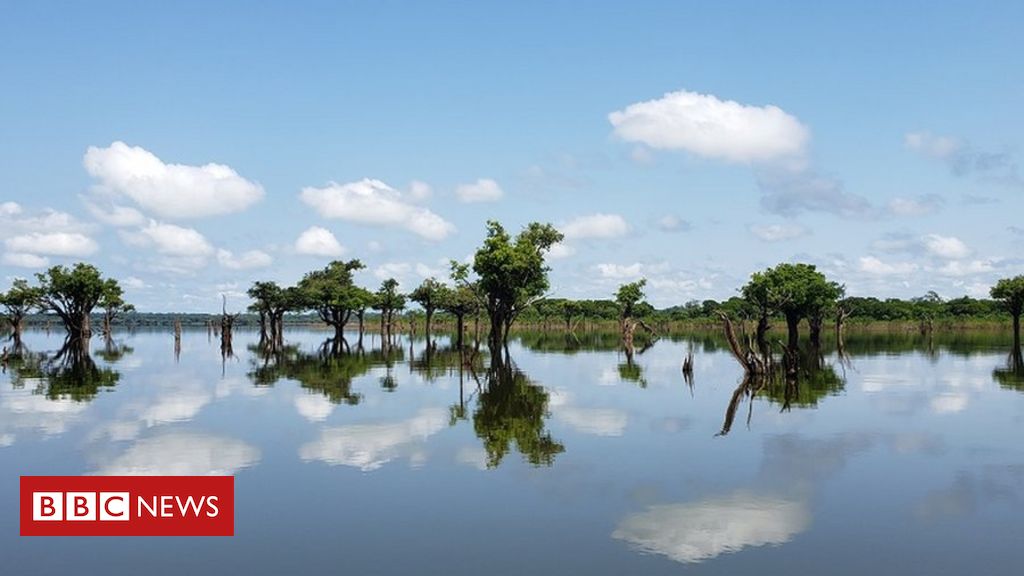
(19, 301)
(461, 300)
(512, 273)
(331, 293)
(1010, 291)
(361, 299)
(113, 304)
(796, 291)
(71, 294)
(628, 296)
(428, 295)
(271, 302)
(388, 300)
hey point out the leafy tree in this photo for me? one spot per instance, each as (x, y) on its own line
(361, 299)
(17, 302)
(331, 293)
(113, 304)
(461, 300)
(271, 302)
(512, 273)
(1010, 291)
(429, 295)
(628, 296)
(796, 291)
(388, 300)
(72, 294)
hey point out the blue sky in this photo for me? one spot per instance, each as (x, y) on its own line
(688, 143)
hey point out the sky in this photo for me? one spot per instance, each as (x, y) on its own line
(190, 148)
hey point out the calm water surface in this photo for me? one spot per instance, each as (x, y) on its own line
(906, 458)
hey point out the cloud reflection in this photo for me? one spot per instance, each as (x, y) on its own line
(370, 446)
(183, 454)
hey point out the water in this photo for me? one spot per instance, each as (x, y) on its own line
(906, 458)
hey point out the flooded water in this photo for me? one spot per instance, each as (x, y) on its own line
(904, 457)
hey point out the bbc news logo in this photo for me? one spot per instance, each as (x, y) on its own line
(127, 505)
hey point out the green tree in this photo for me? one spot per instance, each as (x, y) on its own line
(512, 273)
(388, 300)
(271, 302)
(113, 304)
(71, 294)
(17, 303)
(1010, 292)
(628, 297)
(512, 409)
(331, 293)
(461, 300)
(795, 290)
(429, 295)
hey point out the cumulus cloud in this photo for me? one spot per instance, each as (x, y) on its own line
(169, 240)
(673, 223)
(947, 247)
(375, 203)
(317, 241)
(561, 250)
(115, 215)
(916, 206)
(168, 190)
(420, 190)
(613, 271)
(244, 261)
(52, 244)
(876, 267)
(707, 529)
(595, 226)
(483, 190)
(777, 232)
(703, 125)
(25, 260)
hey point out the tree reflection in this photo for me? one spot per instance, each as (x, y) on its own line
(803, 390)
(512, 410)
(330, 370)
(69, 373)
(1012, 375)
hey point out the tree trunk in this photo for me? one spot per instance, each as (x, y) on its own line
(815, 331)
(761, 335)
(793, 326)
(1016, 331)
(458, 331)
(430, 315)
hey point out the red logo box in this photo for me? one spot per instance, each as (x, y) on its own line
(127, 505)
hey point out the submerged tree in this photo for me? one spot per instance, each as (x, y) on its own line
(331, 293)
(1010, 291)
(462, 300)
(271, 302)
(113, 304)
(72, 294)
(18, 302)
(429, 294)
(512, 273)
(388, 300)
(797, 291)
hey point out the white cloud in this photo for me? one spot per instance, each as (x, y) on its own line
(170, 240)
(115, 215)
(931, 144)
(52, 244)
(25, 260)
(595, 226)
(396, 270)
(594, 421)
(169, 190)
(710, 528)
(957, 268)
(876, 267)
(420, 190)
(777, 232)
(948, 247)
(673, 223)
(561, 250)
(183, 454)
(706, 126)
(8, 209)
(918, 206)
(370, 446)
(313, 407)
(483, 190)
(374, 202)
(244, 261)
(135, 283)
(620, 271)
(317, 241)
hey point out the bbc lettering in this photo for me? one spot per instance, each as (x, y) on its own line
(127, 506)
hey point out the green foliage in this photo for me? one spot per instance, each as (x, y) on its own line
(388, 299)
(628, 296)
(512, 271)
(19, 301)
(512, 410)
(331, 293)
(72, 294)
(1010, 292)
(429, 294)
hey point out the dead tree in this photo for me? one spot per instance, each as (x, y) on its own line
(227, 323)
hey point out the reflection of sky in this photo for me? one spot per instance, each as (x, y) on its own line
(640, 462)
(709, 528)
